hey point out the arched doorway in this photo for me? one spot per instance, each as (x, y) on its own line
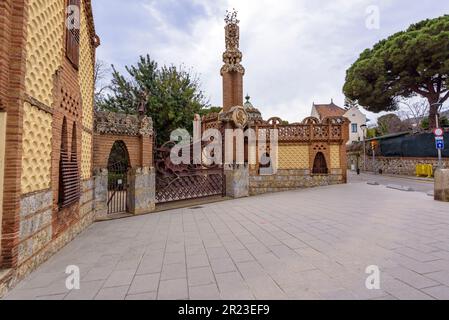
(319, 165)
(118, 166)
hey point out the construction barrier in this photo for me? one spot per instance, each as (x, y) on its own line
(424, 170)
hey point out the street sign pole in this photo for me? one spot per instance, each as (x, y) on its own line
(440, 162)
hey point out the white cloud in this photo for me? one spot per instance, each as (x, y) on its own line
(295, 52)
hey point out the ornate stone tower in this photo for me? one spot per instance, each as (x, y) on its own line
(232, 70)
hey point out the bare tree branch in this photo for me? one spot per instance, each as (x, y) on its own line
(414, 111)
(101, 72)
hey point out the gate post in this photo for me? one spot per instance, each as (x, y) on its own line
(442, 185)
(236, 174)
(237, 180)
(142, 190)
(101, 193)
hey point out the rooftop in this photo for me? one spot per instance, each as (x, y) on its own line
(329, 110)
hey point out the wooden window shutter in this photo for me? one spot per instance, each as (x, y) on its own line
(73, 33)
(69, 178)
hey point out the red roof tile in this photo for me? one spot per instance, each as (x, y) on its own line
(329, 110)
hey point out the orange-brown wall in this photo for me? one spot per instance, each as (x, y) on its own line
(139, 148)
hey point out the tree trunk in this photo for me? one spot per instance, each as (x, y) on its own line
(433, 111)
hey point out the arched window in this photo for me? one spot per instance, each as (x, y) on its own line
(69, 181)
(319, 165)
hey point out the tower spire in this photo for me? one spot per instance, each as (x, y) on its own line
(232, 70)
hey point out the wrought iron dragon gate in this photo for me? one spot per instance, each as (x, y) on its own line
(183, 182)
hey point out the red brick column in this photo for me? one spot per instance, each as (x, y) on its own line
(343, 154)
(146, 151)
(232, 90)
(12, 87)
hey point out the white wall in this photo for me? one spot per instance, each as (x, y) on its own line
(2, 165)
(356, 117)
(315, 113)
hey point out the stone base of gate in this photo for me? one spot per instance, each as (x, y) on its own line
(237, 181)
(442, 185)
(101, 193)
(142, 190)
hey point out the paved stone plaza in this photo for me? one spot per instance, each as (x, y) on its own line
(305, 244)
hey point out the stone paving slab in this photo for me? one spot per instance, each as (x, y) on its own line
(304, 244)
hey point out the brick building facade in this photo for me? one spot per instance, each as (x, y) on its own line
(56, 170)
(47, 59)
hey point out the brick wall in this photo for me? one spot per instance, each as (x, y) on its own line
(13, 33)
(36, 100)
(298, 147)
(295, 165)
(140, 149)
(36, 149)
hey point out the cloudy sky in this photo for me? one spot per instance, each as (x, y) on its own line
(295, 52)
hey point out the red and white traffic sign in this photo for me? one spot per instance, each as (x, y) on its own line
(438, 132)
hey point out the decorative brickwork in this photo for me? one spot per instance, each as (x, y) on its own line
(299, 147)
(132, 137)
(12, 87)
(232, 70)
(103, 145)
(38, 89)
(67, 105)
(335, 156)
(36, 163)
(86, 70)
(293, 157)
(86, 156)
(44, 50)
(122, 124)
(135, 132)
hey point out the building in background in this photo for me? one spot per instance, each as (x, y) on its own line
(355, 116)
(47, 58)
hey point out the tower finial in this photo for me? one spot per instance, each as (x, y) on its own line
(231, 17)
(232, 70)
(232, 57)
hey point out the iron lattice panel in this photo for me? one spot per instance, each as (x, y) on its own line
(196, 185)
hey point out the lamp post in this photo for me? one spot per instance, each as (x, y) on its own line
(439, 104)
(363, 127)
